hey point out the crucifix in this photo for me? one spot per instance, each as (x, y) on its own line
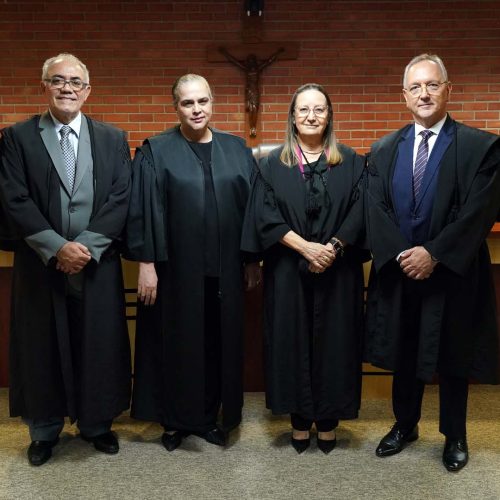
(252, 57)
(252, 68)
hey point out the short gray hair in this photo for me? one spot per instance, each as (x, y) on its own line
(64, 57)
(190, 77)
(426, 57)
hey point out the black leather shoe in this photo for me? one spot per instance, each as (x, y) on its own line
(172, 441)
(301, 445)
(40, 451)
(455, 454)
(215, 436)
(394, 441)
(327, 445)
(107, 442)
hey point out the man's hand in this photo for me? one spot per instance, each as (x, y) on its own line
(417, 263)
(72, 257)
(147, 283)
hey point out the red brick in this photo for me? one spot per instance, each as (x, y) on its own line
(357, 50)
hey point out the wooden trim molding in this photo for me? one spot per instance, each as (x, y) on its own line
(5, 282)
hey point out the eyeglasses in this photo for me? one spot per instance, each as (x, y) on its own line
(430, 88)
(57, 82)
(317, 110)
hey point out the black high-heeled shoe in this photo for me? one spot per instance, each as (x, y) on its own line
(327, 445)
(300, 445)
(172, 441)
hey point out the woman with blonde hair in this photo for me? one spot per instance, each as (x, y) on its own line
(306, 216)
(190, 186)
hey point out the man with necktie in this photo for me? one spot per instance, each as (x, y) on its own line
(64, 186)
(434, 193)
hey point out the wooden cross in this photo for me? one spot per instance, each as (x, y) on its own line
(252, 57)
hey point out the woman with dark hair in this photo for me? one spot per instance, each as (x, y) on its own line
(306, 216)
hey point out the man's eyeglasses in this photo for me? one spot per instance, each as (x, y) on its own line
(317, 110)
(430, 88)
(57, 82)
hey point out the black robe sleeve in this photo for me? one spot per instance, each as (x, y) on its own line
(458, 243)
(24, 215)
(264, 225)
(352, 231)
(110, 215)
(8, 238)
(146, 235)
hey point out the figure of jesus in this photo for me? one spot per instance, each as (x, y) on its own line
(252, 68)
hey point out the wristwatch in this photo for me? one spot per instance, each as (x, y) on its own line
(338, 248)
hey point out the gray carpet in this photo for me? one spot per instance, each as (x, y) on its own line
(259, 462)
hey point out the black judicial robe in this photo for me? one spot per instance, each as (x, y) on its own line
(313, 364)
(42, 376)
(166, 226)
(458, 328)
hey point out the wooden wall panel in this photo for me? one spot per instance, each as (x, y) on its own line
(5, 281)
(376, 383)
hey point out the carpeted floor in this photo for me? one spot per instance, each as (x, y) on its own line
(259, 463)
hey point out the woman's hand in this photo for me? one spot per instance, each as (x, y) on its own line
(319, 256)
(147, 283)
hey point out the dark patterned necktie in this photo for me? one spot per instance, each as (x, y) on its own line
(421, 161)
(68, 155)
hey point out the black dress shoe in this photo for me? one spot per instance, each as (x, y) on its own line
(107, 442)
(40, 451)
(215, 436)
(173, 440)
(300, 445)
(455, 454)
(394, 441)
(327, 445)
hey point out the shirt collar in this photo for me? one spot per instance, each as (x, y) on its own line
(436, 128)
(75, 125)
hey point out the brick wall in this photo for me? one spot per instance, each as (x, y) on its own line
(357, 49)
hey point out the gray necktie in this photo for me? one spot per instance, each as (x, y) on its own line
(68, 155)
(421, 161)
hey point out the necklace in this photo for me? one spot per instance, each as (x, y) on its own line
(311, 152)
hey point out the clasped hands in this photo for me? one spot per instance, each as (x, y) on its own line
(417, 263)
(320, 257)
(72, 257)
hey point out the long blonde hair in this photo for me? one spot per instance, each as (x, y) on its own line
(289, 154)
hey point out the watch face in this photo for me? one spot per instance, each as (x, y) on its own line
(337, 246)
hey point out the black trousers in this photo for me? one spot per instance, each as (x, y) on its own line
(212, 352)
(50, 428)
(304, 424)
(408, 390)
(298, 421)
(213, 358)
